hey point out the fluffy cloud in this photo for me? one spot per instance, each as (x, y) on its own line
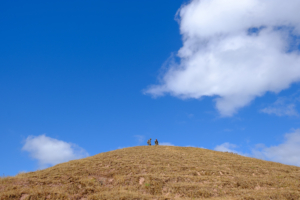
(49, 151)
(234, 51)
(287, 152)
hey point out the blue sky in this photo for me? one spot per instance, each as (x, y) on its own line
(79, 78)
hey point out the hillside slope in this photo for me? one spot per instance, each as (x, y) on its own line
(157, 172)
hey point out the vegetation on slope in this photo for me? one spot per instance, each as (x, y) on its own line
(157, 172)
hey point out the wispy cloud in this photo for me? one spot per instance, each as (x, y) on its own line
(190, 115)
(49, 151)
(166, 144)
(281, 107)
(140, 138)
(226, 147)
(234, 51)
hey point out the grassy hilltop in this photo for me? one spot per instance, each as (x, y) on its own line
(157, 172)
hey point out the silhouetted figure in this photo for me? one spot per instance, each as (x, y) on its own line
(149, 142)
(156, 142)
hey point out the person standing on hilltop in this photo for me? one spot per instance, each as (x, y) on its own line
(149, 142)
(156, 142)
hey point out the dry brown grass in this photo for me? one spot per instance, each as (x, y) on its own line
(157, 172)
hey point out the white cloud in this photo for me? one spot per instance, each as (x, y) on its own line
(49, 151)
(281, 108)
(288, 152)
(166, 144)
(226, 147)
(225, 57)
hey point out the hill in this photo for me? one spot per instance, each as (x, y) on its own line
(157, 172)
